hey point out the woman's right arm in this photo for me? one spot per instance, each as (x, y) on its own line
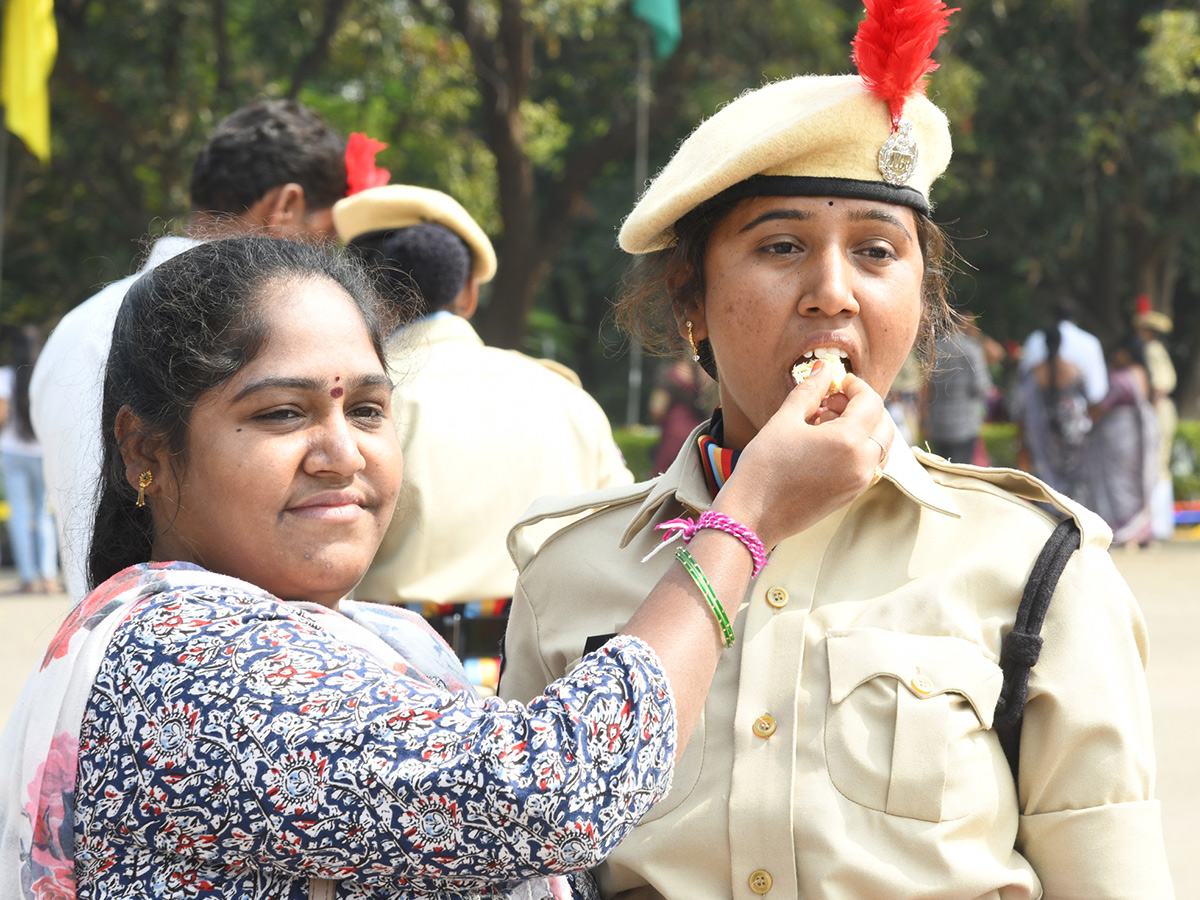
(1090, 823)
(243, 735)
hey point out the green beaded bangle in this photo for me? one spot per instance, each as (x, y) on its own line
(706, 589)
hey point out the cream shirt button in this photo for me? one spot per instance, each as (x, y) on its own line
(761, 881)
(777, 597)
(764, 726)
(921, 684)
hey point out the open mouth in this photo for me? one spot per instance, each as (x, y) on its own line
(839, 360)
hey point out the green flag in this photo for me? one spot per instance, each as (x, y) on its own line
(663, 18)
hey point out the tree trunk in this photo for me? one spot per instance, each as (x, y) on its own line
(312, 61)
(1106, 304)
(1187, 393)
(513, 292)
(534, 234)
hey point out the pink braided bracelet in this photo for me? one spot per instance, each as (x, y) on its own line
(686, 529)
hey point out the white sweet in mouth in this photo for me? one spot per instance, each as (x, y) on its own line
(802, 369)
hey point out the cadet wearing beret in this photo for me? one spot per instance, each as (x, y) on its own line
(484, 431)
(847, 748)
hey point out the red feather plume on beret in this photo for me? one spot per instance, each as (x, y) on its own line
(894, 46)
(361, 171)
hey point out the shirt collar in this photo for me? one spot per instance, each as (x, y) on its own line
(166, 248)
(442, 325)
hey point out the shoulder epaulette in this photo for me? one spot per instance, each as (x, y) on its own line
(578, 505)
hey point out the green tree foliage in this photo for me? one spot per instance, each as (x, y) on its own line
(1077, 139)
(523, 110)
(1076, 173)
(137, 86)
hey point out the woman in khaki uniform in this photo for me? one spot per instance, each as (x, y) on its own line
(847, 747)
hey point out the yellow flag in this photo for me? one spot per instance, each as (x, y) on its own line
(30, 44)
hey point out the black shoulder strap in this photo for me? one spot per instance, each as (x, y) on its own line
(1021, 647)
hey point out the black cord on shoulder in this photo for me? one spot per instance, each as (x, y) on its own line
(1022, 646)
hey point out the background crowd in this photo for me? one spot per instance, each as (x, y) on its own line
(1096, 423)
(315, 391)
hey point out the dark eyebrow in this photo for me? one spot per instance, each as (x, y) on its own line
(879, 215)
(798, 215)
(308, 384)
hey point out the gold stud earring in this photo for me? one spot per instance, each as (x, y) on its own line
(692, 341)
(144, 482)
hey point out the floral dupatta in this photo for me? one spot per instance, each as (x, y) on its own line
(40, 745)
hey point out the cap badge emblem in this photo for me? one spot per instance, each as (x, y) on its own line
(898, 155)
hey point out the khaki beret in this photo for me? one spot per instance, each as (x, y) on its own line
(815, 135)
(1155, 321)
(395, 206)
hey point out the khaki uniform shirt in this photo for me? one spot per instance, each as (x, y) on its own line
(484, 432)
(845, 748)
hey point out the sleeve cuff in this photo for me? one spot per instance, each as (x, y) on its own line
(1113, 852)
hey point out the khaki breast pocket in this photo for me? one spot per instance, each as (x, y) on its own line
(906, 727)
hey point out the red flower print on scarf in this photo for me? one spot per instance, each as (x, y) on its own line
(95, 605)
(51, 794)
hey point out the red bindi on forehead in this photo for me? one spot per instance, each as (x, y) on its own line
(337, 391)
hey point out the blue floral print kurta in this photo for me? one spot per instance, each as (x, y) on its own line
(235, 745)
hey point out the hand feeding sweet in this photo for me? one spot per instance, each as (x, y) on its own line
(814, 456)
(837, 366)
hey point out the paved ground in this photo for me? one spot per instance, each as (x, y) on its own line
(1165, 578)
(1166, 581)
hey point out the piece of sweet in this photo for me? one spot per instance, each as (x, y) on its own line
(802, 370)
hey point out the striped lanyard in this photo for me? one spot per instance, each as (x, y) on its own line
(718, 462)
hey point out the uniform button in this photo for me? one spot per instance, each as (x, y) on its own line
(921, 684)
(764, 726)
(777, 597)
(761, 881)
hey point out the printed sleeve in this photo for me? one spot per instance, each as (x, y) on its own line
(1090, 824)
(243, 728)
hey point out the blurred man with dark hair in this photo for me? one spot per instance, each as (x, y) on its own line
(272, 164)
(271, 167)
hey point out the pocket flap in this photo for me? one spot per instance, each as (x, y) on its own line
(927, 665)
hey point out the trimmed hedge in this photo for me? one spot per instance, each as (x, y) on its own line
(637, 443)
(1001, 441)
(1187, 484)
